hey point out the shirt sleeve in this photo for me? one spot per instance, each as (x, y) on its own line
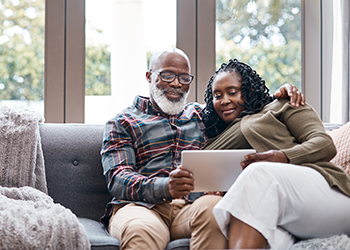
(315, 144)
(118, 161)
(298, 132)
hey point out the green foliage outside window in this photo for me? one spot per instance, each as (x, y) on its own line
(264, 34)
(22, 29)
(246, 27)
(22, 50)
(98, 70)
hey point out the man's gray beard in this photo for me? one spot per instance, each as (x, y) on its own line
(168, 107)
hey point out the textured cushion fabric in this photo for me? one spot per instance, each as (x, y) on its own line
(341, 139)
(21, 161)
(336, 242)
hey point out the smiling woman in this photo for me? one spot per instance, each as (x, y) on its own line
(227, 95)
(235, 90)
(291, 166)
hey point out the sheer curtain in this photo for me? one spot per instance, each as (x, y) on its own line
(345, 60)
(340, 103)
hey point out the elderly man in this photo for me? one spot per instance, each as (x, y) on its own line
(141, 155)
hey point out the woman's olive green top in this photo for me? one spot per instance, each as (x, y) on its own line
(298, 132)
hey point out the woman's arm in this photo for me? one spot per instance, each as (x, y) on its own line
(297, 132)
(307, 128)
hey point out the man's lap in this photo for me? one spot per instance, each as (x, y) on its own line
(176, 217)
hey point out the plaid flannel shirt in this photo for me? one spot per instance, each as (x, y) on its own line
(141, 147)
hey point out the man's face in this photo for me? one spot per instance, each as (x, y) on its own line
(170, 97)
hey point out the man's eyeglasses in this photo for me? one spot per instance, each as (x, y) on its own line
(168, 76)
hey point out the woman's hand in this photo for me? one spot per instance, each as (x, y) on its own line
(289, 91)
(271, 155)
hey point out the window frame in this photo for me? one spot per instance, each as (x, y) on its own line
(64, 90)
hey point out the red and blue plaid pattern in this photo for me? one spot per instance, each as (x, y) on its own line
(141, 147)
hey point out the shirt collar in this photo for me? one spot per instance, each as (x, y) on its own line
(142, 103)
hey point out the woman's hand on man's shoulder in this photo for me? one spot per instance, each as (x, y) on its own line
(290, 91)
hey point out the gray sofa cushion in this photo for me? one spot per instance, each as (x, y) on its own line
(75, 179)
(98, 235)
(100, 239)
(180, 244)
(331, 126)
(73, 167)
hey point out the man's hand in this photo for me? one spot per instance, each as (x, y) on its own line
(181, 183)
(289, 91)
(271, 155)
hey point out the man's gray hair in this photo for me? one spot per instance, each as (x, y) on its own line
(155, 57)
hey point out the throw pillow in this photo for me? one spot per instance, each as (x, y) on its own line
(341, 139)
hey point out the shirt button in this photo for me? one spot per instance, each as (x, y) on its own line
(144, 200)
(164, 199)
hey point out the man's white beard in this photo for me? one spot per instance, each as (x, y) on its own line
(167, 106)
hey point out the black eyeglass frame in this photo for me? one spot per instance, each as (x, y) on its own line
(175, 75)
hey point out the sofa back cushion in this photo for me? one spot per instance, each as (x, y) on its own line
(73, 167)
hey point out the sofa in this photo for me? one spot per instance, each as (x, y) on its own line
(75, 177)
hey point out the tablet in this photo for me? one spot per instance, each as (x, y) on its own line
(214, 170)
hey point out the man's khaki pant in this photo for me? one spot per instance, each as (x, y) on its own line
(138, 227)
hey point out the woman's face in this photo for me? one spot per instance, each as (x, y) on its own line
(226, 89)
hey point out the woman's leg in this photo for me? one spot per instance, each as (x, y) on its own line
(282, 201)
(243, 236)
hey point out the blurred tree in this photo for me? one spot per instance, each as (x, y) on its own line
(21, 49)
(265, 34)
(98, 70)
(22, 27)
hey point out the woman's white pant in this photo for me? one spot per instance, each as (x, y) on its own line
(282, 201)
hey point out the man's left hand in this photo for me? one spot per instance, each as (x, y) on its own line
(289, 91)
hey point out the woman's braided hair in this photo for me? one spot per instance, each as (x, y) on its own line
(253, 90)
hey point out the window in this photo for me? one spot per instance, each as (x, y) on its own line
(120, 38)
(22, 54)
(264, 34)
(66, 86)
